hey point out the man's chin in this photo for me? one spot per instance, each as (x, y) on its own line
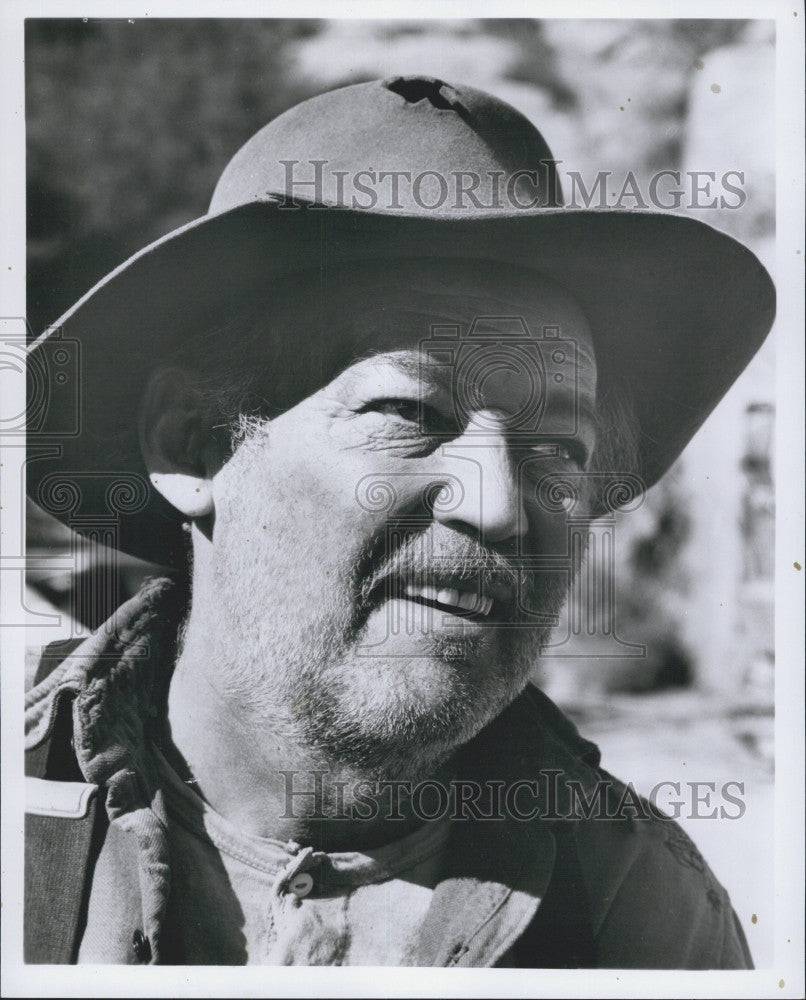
(403, 705)
(404, 629)
(408, 727)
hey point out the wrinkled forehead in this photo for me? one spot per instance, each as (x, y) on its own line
(494, 332)
(506, 327)
(408, 303)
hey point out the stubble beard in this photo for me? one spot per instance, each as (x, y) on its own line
(293, 660)
(287, 615)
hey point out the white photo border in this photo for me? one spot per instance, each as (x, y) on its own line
(785, 977)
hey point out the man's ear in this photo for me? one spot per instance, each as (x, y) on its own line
(178, 447)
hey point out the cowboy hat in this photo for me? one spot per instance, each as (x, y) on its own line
(376, 171)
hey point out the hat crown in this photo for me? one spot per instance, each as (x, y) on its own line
(412, 145)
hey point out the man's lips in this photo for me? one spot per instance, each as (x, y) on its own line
(469, 598)
(450, 598)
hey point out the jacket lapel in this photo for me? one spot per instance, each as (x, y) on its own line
(498, 870)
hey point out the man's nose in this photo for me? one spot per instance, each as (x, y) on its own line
(483, 496)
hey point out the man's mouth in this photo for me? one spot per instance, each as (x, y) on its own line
(471, 599)
(451, 599)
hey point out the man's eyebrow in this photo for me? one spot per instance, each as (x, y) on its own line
(415, 366)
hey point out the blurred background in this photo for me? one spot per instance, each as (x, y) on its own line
(130, 123)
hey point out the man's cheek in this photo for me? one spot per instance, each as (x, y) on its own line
(548, 535)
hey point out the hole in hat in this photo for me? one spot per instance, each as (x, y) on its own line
(417, 88)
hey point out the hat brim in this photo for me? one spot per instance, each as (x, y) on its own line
(677, 310)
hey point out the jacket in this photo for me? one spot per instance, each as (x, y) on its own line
(565, 889)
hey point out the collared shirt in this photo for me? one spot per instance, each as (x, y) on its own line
(238, 899)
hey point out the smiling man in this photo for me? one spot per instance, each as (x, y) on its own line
(374, 422)
(291, 558)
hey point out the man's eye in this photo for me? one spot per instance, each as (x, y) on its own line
(407, 409)
(411, 411)
(558, 450)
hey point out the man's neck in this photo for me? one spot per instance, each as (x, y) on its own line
(269, 784)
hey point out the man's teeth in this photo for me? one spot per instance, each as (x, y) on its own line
(452, 598)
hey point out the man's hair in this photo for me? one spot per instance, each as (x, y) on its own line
(228, 364)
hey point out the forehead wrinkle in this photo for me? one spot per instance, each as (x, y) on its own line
(414, 365)
(395, 326)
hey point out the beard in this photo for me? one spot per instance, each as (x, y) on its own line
(306, 650)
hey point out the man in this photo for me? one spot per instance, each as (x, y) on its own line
(373, 408)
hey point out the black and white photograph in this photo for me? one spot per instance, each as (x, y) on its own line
(402, 500)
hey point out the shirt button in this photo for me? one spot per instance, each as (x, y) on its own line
(141, 946)
(301, 885)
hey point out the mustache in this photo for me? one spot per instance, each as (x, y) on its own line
(427, 555)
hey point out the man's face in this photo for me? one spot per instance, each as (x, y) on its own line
(385, 555)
